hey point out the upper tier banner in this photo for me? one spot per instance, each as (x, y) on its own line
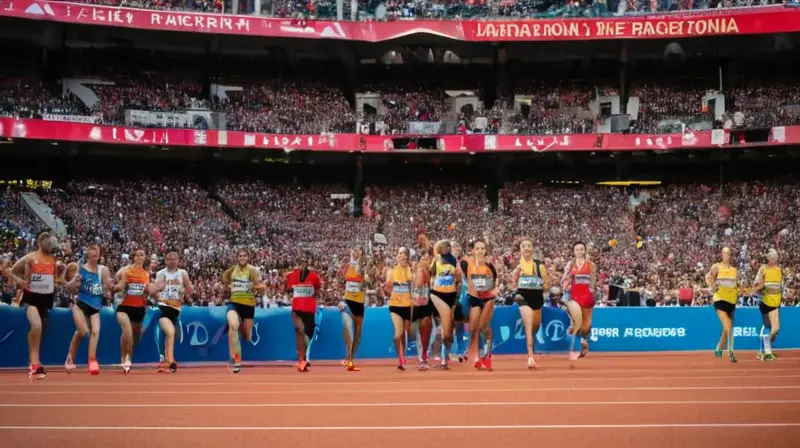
(21, 128)
(710, 22)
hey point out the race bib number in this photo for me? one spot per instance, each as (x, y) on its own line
(582, 279)
(401, 288)
(421, 296)
(171, 293)
(240, 286)
(353, 287)
(301, 291)
(444, 281)
(96, 289)
(42, 284)
(482, 283)
(136, 289)
(530, 282)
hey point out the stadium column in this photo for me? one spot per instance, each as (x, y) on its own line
(494, 181)
(358, 185)
(623, 78)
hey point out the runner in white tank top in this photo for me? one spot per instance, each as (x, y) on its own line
(174, 286)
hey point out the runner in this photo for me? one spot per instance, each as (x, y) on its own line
(580, 278)
(304, 284)
(37, 274)
(399, 280)
(243, 280)
(134, 283)
(444, 293)
(482, 288)
(92, 281)
(459, 315)
(352, 307)
(769, 281)
(723, 277)
(177, 288)
(531, 280)
(422, 311)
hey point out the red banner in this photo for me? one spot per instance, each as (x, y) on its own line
(756, 20)
(14, 128)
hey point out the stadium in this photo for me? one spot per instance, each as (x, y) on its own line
(660, 135)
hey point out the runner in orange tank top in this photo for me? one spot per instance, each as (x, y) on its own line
(37, 274)
(482, 288)
(136, 286)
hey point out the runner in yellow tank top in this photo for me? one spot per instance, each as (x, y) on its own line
(352, 307)
(723, 278)
(769, 281)
(244, 281)
(399, 282)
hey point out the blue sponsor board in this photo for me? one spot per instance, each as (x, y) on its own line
(202, 336)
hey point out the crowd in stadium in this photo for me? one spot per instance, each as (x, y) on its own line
(656, 240)
(407, 9)
(313, 107)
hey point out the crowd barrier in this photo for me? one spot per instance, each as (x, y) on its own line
(202, 336)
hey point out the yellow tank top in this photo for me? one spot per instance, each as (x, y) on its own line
(530, 275)
(354, 284)
(401, 286)
(726, 283)
(242, 286)
(773, 286)
(445, 278)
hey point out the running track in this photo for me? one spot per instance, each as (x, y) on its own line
(614, 401)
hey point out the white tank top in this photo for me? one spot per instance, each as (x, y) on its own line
(172, 294)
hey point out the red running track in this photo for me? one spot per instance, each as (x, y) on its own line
(642, 401)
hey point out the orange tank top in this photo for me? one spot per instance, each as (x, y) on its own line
(480, 280)
(136, 287)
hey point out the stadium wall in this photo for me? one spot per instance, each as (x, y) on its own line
(203, 334)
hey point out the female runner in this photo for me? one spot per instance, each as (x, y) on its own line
(352, 307)
(398, 285)
(177, 287)
(724, 278)
(243, 280)
(134, 281)
(422, 310)
(769, 280)
(304, 284)
(580, 278)
(444, 292)
(482, 288)
(532, 280)
(37, 274)
(92, 280)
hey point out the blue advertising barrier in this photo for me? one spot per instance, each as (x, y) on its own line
(202, 336)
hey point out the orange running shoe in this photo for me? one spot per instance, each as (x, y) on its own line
(302, 366)
(487, 363)
(478, 364)
(94, 367)
(351, 367)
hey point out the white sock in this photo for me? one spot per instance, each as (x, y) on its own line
(767, 345)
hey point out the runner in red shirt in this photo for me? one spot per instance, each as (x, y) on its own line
(580, 278)
(304, 284)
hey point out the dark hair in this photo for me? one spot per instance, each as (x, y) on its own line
(577, 243)
(476, 241)
(519, 243)
(242, 251)
(171, 250)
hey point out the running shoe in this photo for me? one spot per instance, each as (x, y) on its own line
(718, 353)
(573, 356)
(531, 363)
(302, 366)
(423, 366)
(350, 366)
(401, 366)
(731, 357)
(173, 367)
(462, 359)
(94, 367)
(584, 349)
(478, 364)
(36, 372)
(487, 363)
(237, 364)
(69, 366)
(162, 367)
(760, 356)
(770, 357)
(444, 365)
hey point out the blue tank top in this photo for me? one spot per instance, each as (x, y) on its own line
(91, 290)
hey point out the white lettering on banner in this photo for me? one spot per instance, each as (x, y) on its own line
(71, 118)
(543, 144)
(554, 331)
(199, 22)
(747, 332)
(638, 333)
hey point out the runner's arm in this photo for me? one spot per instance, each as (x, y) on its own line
(188, 287)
